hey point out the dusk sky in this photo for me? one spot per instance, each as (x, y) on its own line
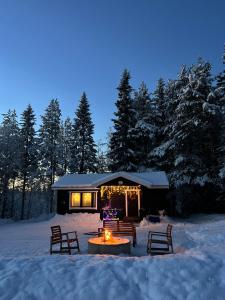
(58, 49)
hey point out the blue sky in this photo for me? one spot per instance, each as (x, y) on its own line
(58, 49)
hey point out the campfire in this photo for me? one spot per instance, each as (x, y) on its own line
(108, 244)
(107, 236)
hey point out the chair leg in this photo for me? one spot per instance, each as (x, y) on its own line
(150, 247)
(171, 245)
(78, 246)
(69, 250)
(149, 244)
(51, 246)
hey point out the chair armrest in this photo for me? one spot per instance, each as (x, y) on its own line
(158, 232)
(64, 233)
(72, 232)
(64, 236)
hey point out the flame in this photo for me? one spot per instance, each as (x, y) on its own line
(107, 235)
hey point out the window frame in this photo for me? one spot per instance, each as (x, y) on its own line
(94, 198)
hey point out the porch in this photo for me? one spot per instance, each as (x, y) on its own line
(121, 201)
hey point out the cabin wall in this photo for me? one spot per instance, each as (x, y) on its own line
(151, 200)
(63, 198)
(62, 202)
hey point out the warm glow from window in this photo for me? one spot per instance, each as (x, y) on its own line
(86, 199)
(75, 199)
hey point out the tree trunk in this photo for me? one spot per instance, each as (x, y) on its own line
(4, 195)
(12, 200)
(29, 205)
(23, 197)
(50, 190)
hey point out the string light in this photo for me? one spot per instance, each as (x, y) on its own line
(120, 189)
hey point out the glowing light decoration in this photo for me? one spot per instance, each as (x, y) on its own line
(110, 214)
(121, 189)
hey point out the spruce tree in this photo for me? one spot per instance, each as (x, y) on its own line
(221, 77)
(159, 99)
(65, 147)
(219, 96)
(28, 152)
(50, 140)
(9, 156)
(188, 127)
(160, 105)
(121, 152)
(163, 153)
(145, 130)
(102, 159)
(83, 149)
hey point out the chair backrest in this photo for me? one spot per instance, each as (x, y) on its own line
(56, 234)
(169, 231)
(111, 225)
(117, 225)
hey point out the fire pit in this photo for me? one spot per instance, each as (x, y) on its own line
(108, 245)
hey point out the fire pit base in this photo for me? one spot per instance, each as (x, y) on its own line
(115, 246)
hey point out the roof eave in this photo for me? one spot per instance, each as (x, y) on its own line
(68, 187)
(95, 188)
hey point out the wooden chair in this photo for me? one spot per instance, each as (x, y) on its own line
(156, 238)
(67, 241)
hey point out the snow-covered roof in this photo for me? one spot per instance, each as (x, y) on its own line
(75, 181)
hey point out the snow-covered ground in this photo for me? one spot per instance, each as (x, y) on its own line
(195, 271)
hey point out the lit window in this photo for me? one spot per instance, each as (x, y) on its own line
(75, 199)
(86, 199)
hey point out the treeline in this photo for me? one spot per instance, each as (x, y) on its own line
(31, 160)
(179, 128)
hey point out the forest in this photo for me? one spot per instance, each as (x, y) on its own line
(178, 128)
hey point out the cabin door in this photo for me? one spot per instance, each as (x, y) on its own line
(133, 203)
(117, 200)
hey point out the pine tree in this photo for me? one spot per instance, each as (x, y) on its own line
(9, 155)
(83, 149)
(50, 140)
(121, 153)
(28, 152)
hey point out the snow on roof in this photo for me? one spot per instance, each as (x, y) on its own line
(147, 179)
